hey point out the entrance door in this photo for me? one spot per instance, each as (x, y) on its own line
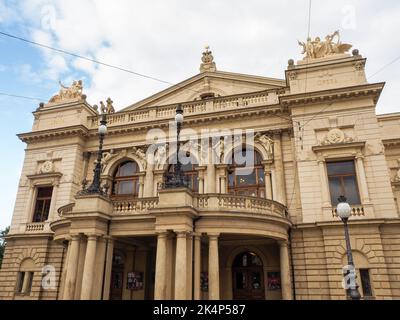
(117, 277)
(248, 277)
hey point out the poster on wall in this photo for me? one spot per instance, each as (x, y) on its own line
(135, 280)
(274, 281)
(204, 281)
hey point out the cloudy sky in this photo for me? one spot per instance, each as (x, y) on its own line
(164, 39)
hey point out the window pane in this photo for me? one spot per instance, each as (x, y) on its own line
(366, 283)
(351, 190)
(231, 178)
(45, 192)
(125, 187)
(261, 177)
(20, 281)
(256, 280)
(335, 190)
(37, 216)
(127, 169)
(343, 167)
(240, 280)
(249, 179)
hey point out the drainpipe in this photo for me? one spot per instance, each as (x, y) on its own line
(105, 259)
(292, 265)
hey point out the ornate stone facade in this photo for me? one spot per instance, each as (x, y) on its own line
(208, 241)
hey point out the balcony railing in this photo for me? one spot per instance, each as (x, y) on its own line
(264, 98)
(207, 202)
(356, 211)
(34, 227)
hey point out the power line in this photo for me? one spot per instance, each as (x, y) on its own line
(91, 60)
(20, 96)
(385, 66)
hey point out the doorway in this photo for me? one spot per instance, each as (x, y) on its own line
(248, 277)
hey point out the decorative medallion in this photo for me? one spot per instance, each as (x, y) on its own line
(47, 167)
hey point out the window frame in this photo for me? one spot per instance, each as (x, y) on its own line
(46, 200)
(341, 180)
(135, 179)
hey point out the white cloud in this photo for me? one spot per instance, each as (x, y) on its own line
(26, 74)
(164, 39)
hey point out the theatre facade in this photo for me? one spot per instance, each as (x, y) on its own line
(266, 228)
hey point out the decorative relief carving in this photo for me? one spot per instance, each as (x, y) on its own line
(208, 61)
(68, 93)
(267, 143)
(160, 157)
(292, 75)
(107, 157)
(397, 176)
(359, 65)
(139, 152)
(47, 167)
(314, 49)
(375, 148)
(336, 136)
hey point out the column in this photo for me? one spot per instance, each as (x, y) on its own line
(141, 186)
(108, 269)
(149, 181)
(278, 162)
(160, 289)
(285, 271)
(52, 210)
(213, 267)
(181, 266)
(268, 184)
(197, 267)
(273, 182)
(88, 269)
(222, 171)
(27, 280)
(326, 201)
(70, 278)
(211, 179)
(362, 179)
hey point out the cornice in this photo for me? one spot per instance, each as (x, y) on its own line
(37, 136)
(391, 142)
(331, 95)
(339, 146)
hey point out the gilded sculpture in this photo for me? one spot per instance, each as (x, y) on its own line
(314, 49)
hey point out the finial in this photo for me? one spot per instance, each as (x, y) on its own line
(208, 61)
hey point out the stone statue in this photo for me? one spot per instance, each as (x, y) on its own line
(161, 156)
(320, 49)
(107, 156)
(208, 61)
(68, 93)
(103, 108)
(110, 107)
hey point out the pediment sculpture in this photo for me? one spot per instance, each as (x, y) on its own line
(336, 136)
(68, 93)
(314, 49)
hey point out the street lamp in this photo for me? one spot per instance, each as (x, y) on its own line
(176, 179)
(95, 188)
(344, 212)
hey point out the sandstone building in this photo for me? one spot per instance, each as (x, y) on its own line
(272, 233)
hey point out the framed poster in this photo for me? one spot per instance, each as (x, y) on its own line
(204, 281)
(135, 280)
(274, 281)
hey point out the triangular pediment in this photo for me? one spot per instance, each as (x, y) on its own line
(217, 83)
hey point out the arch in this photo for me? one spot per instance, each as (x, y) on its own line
(206, 90)
(114, 163)
(256, 147)
(171, 159)
(241, 249)
(28, 253)
(28, 264)
(360, 260)
(125, 179)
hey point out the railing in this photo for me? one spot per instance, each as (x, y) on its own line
(132, 206)
(65, 209)
(270, 97)
(244, 204)
(356, 211)
(34, 227)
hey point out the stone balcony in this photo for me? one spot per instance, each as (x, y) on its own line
(207, 202)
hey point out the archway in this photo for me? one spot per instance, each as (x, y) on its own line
(248, 277)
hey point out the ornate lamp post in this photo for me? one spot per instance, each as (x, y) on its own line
(95, 187)
(176, 179)
(344, 212)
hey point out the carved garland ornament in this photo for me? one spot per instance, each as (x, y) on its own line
(336, 136)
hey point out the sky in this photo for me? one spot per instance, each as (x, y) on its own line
(164, 39)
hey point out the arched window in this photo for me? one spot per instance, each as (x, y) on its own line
(247, 259)
(126, 180)
(246, 180)
(190, 173)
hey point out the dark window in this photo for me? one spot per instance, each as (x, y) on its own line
(20, 283)
(24, 278)
(126, 180)
(208, 95)
(190, 173)
(247, 259)
(342, 181)
(246, 180)
(366, 283)
(42, 206)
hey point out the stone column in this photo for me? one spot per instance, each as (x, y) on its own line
(211, 177)
(326, 201)
(88, 269)
(285, 271)
(52, 210)
(70, 278)
(160, 289)
(268, 183)
(149, 181)
(197, 267)
(158, 178)
(213, 267)
(273, 182)
(201, 174)
(141, 186)
(362, 179)
(27, 280)
(278, 162)
(181, 266)
(222, 172)
(108, 269)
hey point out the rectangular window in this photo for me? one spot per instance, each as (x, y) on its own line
(24, 284)
(343, 182)
(20, 283)
(42, 205)
(366, 283)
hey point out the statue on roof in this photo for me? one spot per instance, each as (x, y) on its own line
(68, 93)
(314, 49)
(207, 59)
